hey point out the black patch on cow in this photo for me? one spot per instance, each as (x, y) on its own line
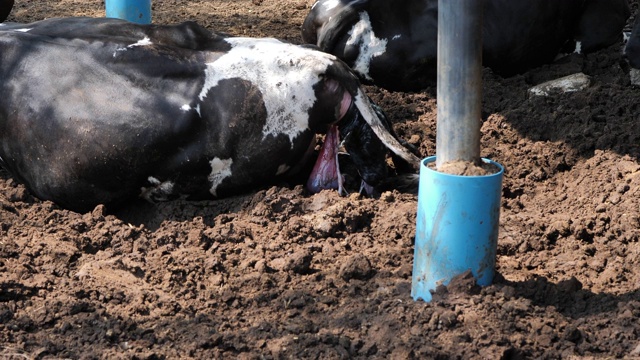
(5, 9)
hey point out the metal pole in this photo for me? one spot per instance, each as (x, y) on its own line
(459, 81)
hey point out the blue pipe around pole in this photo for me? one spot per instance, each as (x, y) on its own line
(456, 228)
(138, 11)
(458, 216)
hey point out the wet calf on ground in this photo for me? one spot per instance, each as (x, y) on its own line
(100, 111)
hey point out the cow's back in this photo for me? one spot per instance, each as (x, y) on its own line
(111, 102)
(518, 35)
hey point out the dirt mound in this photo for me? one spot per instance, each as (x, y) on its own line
(281, 274)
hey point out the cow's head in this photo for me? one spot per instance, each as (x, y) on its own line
(364, 130)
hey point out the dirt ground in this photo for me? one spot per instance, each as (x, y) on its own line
(278, 273)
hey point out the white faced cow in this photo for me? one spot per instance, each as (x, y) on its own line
(101, 110)
(393, 44)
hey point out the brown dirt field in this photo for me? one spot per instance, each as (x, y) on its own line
(278, 273)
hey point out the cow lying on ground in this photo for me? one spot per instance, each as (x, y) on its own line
(5, 9)
(393, 43)
(101, 110)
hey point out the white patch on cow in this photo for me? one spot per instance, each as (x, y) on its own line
(330, 4)
(144, 42)
(578, 49)
(282, 169)
(159, 190)
(284, 73)
(220, 170)
(166, 187)
(396, 37)
(634, 76)
(370, 46)
(187, 107)
(626, 35)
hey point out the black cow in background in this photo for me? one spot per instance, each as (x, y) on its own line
(393, 44)
(5, 9)
(632, 49)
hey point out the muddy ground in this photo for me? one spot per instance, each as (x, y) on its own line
(278, 273)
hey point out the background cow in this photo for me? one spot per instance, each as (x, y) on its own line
(101, 110)
(632, 49)
(393, 43)
(632, 53)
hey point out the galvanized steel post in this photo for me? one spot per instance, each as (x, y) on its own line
(459, 80)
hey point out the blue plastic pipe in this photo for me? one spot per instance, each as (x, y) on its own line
(137, 11)
(456, 228)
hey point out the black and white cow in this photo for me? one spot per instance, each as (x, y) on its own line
(632, 52)
(5, 9)
(393, 43)
(101, 110)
